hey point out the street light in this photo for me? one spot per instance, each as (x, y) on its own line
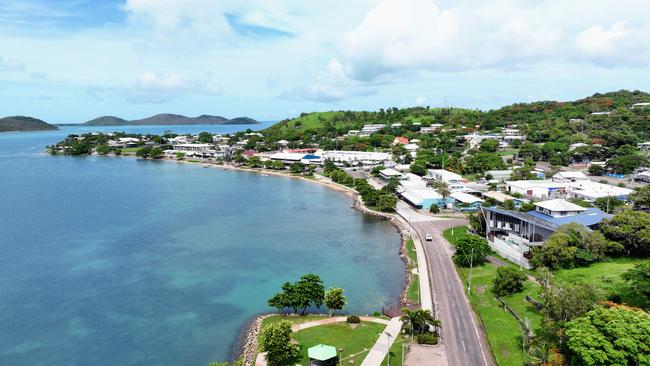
(388, 347)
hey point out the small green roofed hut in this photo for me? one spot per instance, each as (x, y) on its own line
(322, 355)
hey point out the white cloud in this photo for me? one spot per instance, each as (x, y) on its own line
(617, 44)
(411, 35)
(419, 101)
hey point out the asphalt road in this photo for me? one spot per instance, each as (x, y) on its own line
(462, 337)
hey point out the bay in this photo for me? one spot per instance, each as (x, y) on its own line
(119, 261)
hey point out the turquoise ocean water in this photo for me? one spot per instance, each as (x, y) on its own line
(118, 261)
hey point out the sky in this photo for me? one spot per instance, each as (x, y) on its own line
(68, 61)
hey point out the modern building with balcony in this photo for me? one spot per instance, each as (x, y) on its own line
(512, 234)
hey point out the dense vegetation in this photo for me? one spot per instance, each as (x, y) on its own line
(21, 123)
(550, 127)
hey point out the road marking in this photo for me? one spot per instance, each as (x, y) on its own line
(463, 343)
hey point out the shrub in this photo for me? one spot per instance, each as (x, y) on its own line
(434, 209)
(427, 338)
(353, 319)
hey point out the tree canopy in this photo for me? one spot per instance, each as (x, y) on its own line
(610, 336)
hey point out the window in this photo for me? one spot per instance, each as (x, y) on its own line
(563, 213)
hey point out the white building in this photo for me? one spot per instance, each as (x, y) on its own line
(640, 105)
(537, 188)
(577, 145)
(558, 208)
(567, 177)
(445, 176)
(202, 148)
(644, 146)
(368, 130)
(390, 173)
(590, 191)
(499, 175)
(357, 157)
(601, 113)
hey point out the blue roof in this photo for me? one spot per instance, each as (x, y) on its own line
(590, 217)
(310, 157)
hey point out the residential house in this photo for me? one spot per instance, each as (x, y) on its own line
(389, 173)
(591, 191)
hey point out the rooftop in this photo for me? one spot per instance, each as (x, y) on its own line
(321, 352)
(465, 197)
(559, 205)
(523, 184)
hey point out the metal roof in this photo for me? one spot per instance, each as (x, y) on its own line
(321, 352)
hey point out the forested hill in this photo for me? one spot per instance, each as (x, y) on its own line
(541, 121)
(170, 119)
(21, 123)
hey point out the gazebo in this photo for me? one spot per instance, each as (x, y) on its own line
(322, 355)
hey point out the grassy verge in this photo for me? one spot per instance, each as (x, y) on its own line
(413, 291)
(355, 341)
(454, 234)
(395, 352)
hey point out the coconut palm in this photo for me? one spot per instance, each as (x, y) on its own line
(410, 317)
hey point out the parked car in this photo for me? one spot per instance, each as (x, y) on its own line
(428, 237)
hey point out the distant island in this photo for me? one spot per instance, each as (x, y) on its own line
(168, 119)
(22, 123)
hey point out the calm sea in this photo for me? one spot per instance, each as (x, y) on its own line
(117, 261)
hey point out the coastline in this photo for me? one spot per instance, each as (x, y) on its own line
(245, 344)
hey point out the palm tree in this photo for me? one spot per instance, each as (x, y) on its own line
(410, 317)
(424, 318)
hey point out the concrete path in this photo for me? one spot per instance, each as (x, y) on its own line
(379, 351)
(337, 319)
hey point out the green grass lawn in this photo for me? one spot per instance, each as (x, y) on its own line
(606, 276)
(354, 341)
(454, 234)
(129, 150)
(413, 291)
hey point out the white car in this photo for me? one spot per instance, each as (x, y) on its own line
(428, 237)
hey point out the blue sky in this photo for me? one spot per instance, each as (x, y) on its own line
(68, 61)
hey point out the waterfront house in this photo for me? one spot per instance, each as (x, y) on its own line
(512, 234)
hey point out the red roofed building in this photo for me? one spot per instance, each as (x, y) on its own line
(249, 153)
(400, 141)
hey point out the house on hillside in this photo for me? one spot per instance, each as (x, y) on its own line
(512, 234)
